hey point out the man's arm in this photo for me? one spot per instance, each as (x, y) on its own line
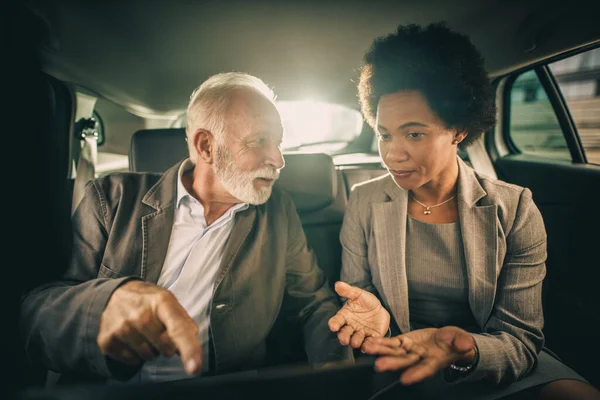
(60, 320)
(308, 295)
(104, 327)
(98, 326)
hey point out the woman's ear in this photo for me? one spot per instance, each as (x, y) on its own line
(204, 145)
(459, 137)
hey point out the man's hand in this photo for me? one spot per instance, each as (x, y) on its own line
(361, 316)
(423, 352)
(142, 320)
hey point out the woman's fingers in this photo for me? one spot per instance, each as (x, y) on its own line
(348, 291)
(406, 342)
(357, 340)
(395, 341)
(336, 322)
(383, 350)
(420, 371)
(396, 363)
(344, 334)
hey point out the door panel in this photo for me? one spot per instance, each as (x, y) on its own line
(568, 196)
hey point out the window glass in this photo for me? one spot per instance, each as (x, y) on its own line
(578, 78)
(314, 126)
(533, 127)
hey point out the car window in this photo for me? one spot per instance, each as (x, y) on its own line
(534, 127)
(314, 126)
(310, 123)
(578, 78)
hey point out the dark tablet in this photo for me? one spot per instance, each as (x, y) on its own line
(336, 381)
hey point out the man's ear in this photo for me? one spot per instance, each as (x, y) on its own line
(204, 143)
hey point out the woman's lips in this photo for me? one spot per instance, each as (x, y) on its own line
(401, 174)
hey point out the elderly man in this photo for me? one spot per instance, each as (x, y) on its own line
(185, 273)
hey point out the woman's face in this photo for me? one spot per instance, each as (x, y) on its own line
(415, 145)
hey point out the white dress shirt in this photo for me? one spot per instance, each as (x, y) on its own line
(191, 264)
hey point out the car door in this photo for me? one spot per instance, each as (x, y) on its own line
(548, 139)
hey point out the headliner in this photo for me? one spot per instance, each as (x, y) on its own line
(148, 56)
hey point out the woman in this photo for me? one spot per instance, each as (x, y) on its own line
(458, 259)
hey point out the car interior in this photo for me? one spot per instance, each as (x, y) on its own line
(129, 67)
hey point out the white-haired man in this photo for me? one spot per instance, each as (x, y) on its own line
(185, 273)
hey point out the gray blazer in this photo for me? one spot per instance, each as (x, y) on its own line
(121, 230)
(505, 252)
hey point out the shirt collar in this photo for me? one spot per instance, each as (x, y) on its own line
(182, 192)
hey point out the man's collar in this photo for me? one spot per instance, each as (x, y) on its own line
(182, 192)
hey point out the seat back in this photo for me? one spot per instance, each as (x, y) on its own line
(318, 192)
(320, 197)
(155, 150)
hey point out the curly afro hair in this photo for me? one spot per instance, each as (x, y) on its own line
(443, 65)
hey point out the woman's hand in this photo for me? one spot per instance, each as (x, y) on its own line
(423, 352)
(362, 316)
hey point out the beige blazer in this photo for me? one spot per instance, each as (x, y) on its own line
(504, 242)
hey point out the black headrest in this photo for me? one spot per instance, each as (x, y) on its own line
(310, 179)
(156, 150)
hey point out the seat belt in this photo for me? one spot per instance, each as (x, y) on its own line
(480, 159)
(87, 133)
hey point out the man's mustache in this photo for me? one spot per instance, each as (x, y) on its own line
(266, 173)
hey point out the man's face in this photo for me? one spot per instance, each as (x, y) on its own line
(248, 157)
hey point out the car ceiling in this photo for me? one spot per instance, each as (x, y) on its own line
(148, 56)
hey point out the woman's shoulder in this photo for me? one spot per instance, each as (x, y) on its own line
(501, 192)
(512, 201)
(373, 188)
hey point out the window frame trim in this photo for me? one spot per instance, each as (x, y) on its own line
(564, 117)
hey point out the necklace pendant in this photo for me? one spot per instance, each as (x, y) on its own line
(427, 211)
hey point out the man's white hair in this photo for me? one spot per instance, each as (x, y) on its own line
(209, 103)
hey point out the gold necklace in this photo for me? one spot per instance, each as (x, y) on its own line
(427, 210)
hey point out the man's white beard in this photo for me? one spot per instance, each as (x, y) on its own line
(240, 184)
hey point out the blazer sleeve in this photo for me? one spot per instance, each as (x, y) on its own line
(60, 320)
(512, 337)
(355, 263)
(308, 296)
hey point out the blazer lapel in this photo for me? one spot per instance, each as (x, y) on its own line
(241, 228)
(389, 225)
(157, 226)
(479, 229)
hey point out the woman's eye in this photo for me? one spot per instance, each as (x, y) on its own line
(415, 135)
(384, 136)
